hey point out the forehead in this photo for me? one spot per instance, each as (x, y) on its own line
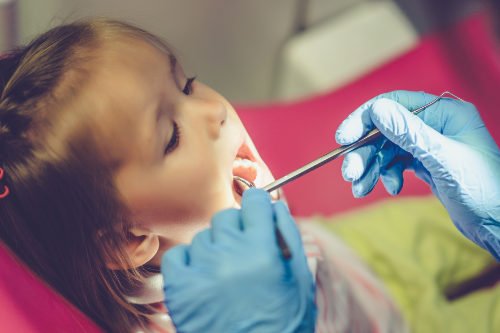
(132, 55)
(127, 84)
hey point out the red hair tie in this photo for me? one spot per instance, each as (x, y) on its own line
(4, 194)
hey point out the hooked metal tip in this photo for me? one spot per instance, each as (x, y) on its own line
(239, 189)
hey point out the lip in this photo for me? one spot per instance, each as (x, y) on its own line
(238, 144)
(243, 151)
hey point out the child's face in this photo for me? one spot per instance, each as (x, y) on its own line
(173, 185)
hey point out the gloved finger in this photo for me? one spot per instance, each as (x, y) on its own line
(461, 117)
(422, 173)
(226, 226)
(446, 108)
(257, 215)
(356, 162)
(359, 122)
(174, 262)
(288, 228)
(411, 100)
(355, 125)
(392, 176)
(201, 251)
(365, 184)
(409, 132)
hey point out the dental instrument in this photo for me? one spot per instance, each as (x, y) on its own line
(342, 150)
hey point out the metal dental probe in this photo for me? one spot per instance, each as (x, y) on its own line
(374, 133)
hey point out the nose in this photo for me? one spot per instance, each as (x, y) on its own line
(214, 114)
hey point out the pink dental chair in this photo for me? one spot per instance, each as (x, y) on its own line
(462, 59)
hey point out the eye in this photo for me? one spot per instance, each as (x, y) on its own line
(174, 140)
(188, 88)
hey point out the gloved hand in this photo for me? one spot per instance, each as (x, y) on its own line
(447, 145)
(232, 278)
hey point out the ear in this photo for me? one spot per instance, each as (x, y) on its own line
(142, 246)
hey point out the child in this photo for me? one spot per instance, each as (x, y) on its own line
(111, 156)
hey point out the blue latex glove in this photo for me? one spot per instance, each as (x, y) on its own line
(447, 145)
(232, 278)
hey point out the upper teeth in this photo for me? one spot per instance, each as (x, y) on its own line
(252, 170)
(243, 162)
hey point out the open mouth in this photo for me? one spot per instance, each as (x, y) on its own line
(246, 167)
(248, 170)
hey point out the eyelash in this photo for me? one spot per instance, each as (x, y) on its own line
(188, 88)
(174, 141)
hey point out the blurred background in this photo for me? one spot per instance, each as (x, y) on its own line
(295, 69)
(259, 50)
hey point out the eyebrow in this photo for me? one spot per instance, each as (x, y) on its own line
(173, 62)
(173, 65)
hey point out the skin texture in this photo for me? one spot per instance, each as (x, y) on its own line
(172, 196)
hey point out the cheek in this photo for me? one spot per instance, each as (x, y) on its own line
(172, 207)
(186, 193)
(178, 195)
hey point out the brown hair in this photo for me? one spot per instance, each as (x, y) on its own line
(63, 216)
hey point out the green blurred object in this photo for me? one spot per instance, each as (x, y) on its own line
(416, 250)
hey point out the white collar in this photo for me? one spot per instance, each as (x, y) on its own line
(151, 291)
